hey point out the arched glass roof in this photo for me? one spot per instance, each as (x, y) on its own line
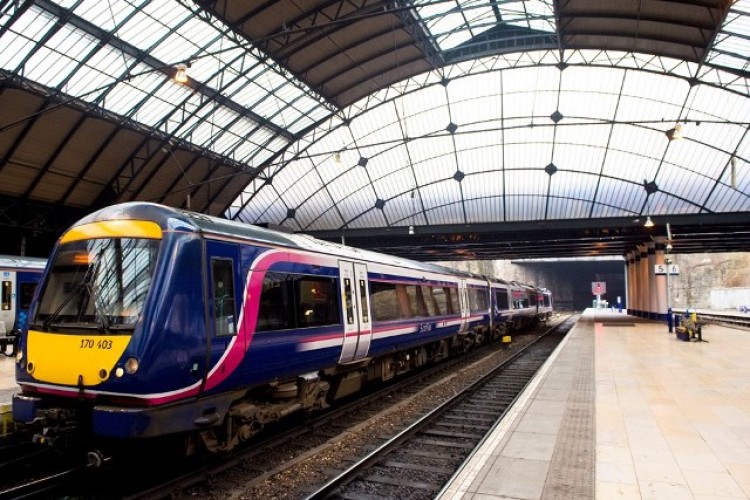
(116, 54)
(349, 115)
(518, 138)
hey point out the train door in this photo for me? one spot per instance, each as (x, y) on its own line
(355, 300)
(463, 296)
(8, 302)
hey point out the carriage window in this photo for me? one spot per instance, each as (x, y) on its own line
(363, 301)
(501, 298)
(7, 294)
(384, 301)
(416, 301)
(223, 295)
(453, 306)
(297, 301)
(429, 301)
(276, 303)
(348, 301)
(27, 293)
(318, 301)
(477, 299)
(441, 302)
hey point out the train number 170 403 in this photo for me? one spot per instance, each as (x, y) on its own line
(98, 344)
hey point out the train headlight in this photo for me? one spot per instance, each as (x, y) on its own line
(119, 372)
(19, 357)
(131, 366)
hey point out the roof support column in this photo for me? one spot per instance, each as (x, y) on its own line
(629, 280)
(643, 287)
(636, 286)
(661, 281)
(653, 304)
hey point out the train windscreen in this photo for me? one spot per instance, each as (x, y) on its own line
(97, 284)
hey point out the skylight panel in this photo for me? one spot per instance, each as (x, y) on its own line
(452, 23)
(161, 33)
(49, 67)
(144, 29)
(731, 47)
(106, 15)
(31, 25)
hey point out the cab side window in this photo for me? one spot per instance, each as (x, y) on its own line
(222, 283)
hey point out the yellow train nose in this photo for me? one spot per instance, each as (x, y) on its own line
(67, 359)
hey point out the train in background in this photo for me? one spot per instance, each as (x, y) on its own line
(153, 321)
(19, 277)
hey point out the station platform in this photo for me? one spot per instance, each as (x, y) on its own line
(623, 409)
(7, 379)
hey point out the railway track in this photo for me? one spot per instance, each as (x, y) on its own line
(419, 461)
(275, 458)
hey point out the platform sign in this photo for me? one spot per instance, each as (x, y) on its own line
(673, 269)
(598, 287)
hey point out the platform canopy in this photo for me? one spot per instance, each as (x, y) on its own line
(432, 129)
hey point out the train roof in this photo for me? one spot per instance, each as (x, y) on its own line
(19, 262)
(172, 219)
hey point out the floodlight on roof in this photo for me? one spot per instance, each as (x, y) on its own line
(181, 75)
(675, 133)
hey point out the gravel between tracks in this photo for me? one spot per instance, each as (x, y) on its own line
(300, 473)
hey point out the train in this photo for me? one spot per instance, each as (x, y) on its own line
(153, 321)
(19, 277)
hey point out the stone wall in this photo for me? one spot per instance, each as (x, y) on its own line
(700, 273)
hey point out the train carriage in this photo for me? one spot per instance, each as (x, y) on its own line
(156, 321)
(19, 277)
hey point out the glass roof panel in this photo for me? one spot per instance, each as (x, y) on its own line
(731, 47)
(106, 15)
(316, 215)
(395, 184)
(567, 208)
(572, 185)
(478, 153)
(453, 22)
(149, 25)
(347, 183)
(158, 35)
(484, 210)
(483, 185)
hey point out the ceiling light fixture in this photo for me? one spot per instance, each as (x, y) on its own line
(674, 134)
(181, 75)
(649, 222)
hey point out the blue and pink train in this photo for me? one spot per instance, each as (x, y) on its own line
(153, 321)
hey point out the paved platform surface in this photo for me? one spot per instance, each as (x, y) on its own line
(7, 379)
(624, 410)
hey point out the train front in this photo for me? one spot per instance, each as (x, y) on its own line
(88, 336)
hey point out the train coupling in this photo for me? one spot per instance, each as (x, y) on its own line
(59, 428)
